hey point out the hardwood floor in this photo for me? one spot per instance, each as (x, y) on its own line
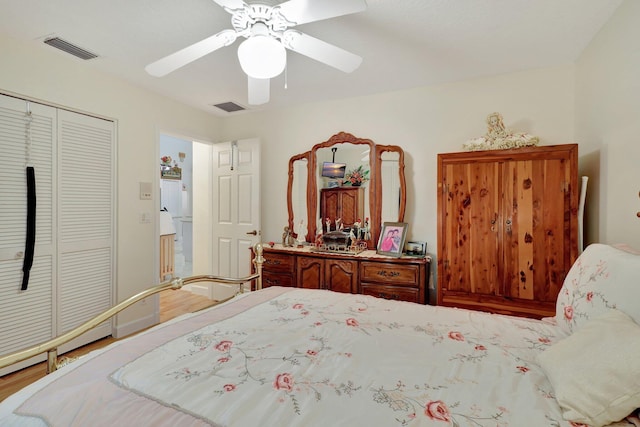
(172, 303)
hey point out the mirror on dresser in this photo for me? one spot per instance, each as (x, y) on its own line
(380, 198)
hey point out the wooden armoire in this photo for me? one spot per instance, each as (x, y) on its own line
(507, 228)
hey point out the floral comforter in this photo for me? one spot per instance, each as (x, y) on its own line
(295, 357)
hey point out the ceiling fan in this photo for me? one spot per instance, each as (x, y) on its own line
(267, 31)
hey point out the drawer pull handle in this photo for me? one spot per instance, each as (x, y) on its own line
(387, 296)
(385, 273)
(272, 262)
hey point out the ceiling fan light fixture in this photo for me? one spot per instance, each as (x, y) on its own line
(262, 57)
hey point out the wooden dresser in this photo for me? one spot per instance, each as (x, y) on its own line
(367, 273)
(507, 228)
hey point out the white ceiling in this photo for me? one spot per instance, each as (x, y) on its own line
(404, 43)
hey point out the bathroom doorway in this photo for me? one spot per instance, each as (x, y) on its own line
(176, 199)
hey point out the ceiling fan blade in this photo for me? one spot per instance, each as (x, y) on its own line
(303, 11)
(321, 51)
(259, 90)
(170, 63)
(230, 4)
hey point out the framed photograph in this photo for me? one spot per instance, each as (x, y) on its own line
(416, 249)
(392, 237)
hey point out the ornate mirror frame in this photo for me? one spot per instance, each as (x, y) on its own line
(375, 184)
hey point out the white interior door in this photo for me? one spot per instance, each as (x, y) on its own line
(171, 199)
(236, 208)
(26, 317)
(85, 223)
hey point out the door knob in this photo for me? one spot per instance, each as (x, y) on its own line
(253, 233)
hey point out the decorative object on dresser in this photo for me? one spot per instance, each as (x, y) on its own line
(415, 248)
(383, 198)
(366, 273)
(287, 238)
(507, 228)
(358, 176)
(392, 238)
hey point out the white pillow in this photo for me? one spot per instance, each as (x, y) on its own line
(602, 278)
(595, 372)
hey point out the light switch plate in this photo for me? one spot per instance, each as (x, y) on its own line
(145, 191)
(145, 217)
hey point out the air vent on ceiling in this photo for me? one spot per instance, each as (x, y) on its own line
(229, 107)
(74, 50)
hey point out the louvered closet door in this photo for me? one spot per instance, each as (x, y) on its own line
(85, 240)
(26, 317)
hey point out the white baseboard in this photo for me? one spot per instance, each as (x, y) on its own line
(220, 291)
(215, 291)
(135, 326)
(198, 289)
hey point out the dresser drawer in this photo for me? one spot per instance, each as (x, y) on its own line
(282, 263)
(391, 292)
(274, 279)
(396, 274)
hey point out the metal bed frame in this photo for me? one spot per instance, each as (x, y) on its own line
(51, 346)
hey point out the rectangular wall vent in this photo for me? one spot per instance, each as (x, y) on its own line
(229, 107)
(74, 50)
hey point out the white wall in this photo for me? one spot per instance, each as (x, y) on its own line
(423, 121)
(39, 72)
(608, 127)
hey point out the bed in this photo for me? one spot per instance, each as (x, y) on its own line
(299, 357)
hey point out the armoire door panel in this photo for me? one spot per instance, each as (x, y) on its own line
(471, 253)
(518, 215)
(349, 209)
(535, 249)
(331, 206)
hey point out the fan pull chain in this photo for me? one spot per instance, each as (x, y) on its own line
(286, 75)
(234, 148)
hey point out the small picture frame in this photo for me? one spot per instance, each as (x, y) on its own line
(392, 238)
(415, 249)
